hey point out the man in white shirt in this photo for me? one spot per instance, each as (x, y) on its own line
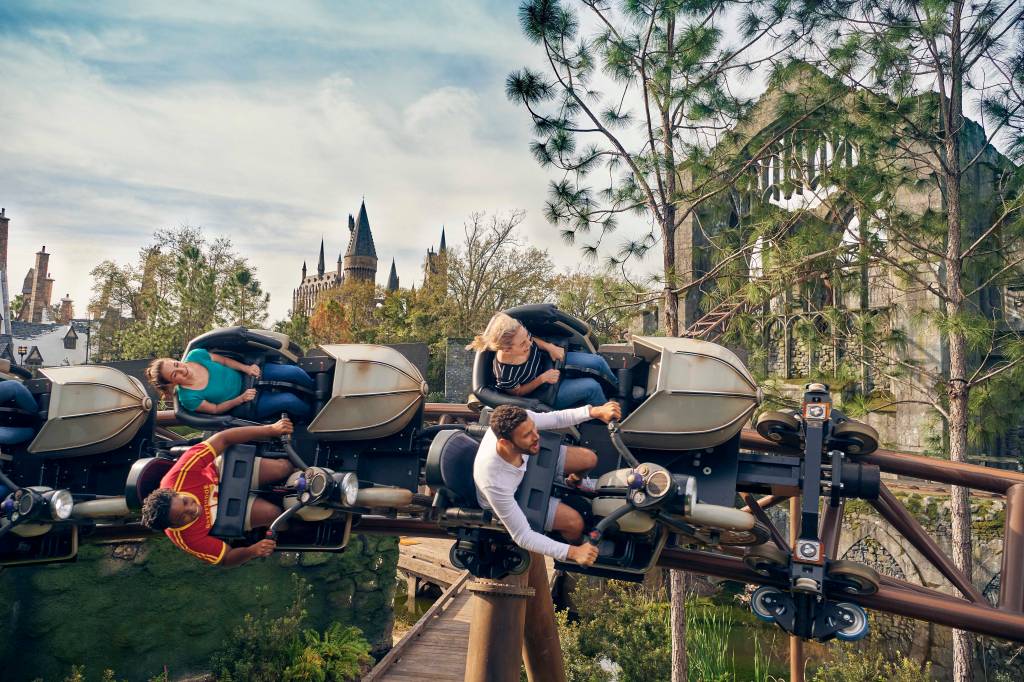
(501, 463)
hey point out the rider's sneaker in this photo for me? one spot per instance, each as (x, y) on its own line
(587, 485)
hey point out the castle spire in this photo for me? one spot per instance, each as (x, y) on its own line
(441, 249)
(320, 265)
(303, 270)
(393, 277)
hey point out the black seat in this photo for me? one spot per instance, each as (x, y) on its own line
(548, 322)
(143, 478)
(450, 466)
(484, 381)
(250, 346)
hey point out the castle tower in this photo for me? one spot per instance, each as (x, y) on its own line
(320, 264)
(393, 277)
(435, 262)
(38, 299)
(5, 325)
(360, 261)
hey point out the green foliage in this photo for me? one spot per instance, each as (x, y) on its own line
(707, 637)
(603, 300)
(341, 654)
(268, 647)
(852, 665)
(265, 644)
(627, 627)
(183, 285)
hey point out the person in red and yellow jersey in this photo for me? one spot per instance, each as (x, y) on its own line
(184, 507)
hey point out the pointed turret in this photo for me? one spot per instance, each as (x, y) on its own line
(393, 277)
(443, 247)
(320, 264)
(303, 271)
(360, 260)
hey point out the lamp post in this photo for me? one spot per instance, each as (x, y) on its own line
(22, 351)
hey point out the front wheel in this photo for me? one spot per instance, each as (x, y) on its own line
(766, 603)
(855, 621)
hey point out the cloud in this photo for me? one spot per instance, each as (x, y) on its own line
(268, 127)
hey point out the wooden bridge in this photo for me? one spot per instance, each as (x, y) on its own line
(435, 647)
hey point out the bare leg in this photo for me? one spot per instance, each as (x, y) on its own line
(263, 513)
(274, 470)
(568, 522)
(577, 461)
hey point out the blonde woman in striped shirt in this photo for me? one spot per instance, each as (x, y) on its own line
(519, 360)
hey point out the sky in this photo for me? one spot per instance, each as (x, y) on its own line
(265, 122)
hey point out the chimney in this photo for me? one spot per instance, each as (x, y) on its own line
(67, 310)
(39, 286)
(5, 296)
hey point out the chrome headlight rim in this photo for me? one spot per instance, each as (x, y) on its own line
(61, 505)
(349, 489)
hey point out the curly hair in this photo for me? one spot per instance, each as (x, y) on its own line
(505, 419)
(156, 510)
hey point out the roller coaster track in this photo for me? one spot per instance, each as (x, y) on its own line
(971, 612)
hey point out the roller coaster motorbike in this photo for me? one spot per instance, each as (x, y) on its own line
(668, 473)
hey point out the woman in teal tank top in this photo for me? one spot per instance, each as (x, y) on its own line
(212, 384)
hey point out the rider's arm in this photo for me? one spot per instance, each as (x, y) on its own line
(228, 362)
(528, 387)
(219, 408)
(549, 348)
(503, 502)
(237, 556)
(222, 440)
(560, 419)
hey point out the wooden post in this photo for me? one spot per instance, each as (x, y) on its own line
(496, 632)
(796, 645)
(542, 650)
(411, 582)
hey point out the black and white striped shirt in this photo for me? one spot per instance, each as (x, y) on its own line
(509, 376)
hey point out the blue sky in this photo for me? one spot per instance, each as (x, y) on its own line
(265, 122)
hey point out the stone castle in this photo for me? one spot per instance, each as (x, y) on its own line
(788, 178)
(357, 263)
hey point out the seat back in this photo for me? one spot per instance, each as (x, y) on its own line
(488, 395)
(233, 493)
(143, 478)
(450, 465)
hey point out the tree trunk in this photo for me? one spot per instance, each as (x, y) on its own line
(957, 388)
(677, 590)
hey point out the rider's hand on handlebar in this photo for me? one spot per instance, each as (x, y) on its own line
(584, 554)
(248, 394)
(282, 426)
(607, 412)
(557, 353)
(550, 376)
(253, 371)
(264, 548)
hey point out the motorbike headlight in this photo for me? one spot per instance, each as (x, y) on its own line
(349, 489)
(658, 483)
(61, 504)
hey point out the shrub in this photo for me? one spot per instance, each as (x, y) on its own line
(851, 665)
(269, 648)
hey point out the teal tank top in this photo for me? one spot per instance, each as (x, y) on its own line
(225, 383)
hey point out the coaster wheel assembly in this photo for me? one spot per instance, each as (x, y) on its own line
(852, 577)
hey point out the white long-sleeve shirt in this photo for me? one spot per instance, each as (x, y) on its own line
(497, 481)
